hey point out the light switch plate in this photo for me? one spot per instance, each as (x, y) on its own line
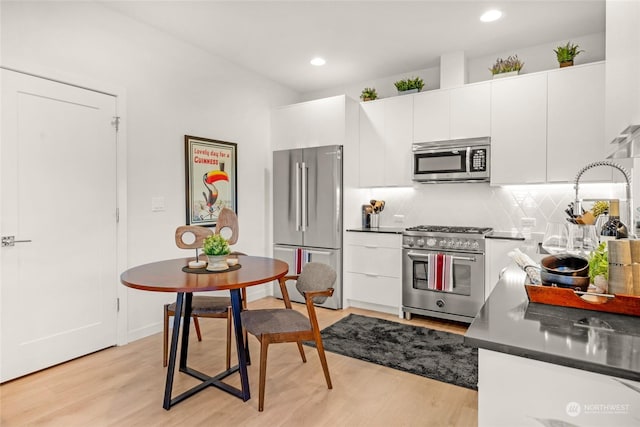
(157, 204)
(398, 219)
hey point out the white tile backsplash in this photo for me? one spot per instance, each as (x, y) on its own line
(479, 204)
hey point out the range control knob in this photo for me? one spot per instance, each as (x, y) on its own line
(443, 243)
(431, 242)
(450, 243)
(408, 241)
(420, 242)
(458, 244)
(475, 245)
(467, 244)
(440, 303)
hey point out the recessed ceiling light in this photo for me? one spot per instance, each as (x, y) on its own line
(491, 15)
(317, 61)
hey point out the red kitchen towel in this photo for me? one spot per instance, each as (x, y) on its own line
(439, 271)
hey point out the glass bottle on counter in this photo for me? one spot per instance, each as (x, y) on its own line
(614, 228)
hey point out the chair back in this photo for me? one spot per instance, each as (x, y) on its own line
(199, 233)
(228, 219)
(316, 276)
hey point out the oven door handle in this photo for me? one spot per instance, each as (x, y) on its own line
(454, 257)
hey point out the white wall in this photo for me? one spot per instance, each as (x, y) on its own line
(172, 89)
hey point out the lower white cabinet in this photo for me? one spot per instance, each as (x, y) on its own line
(516, 391)
(373, 271)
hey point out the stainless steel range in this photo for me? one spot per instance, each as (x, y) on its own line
(443, 271)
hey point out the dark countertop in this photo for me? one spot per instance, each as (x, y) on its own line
(391, 230)
(505, 235)
(594, 341)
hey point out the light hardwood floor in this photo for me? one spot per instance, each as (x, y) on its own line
(123, 386)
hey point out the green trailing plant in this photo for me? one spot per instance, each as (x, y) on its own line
(567, 52)
(599, 262)
(215, 244)
(512, 63)
(408, 84)
(369, 94)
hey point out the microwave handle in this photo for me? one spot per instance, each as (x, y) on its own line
(468, 162)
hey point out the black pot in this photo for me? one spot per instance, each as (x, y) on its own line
(565, 265)
(578, 283)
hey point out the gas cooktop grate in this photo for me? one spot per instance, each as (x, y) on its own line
(450, 229)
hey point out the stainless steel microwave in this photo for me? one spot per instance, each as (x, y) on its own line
(461, 160)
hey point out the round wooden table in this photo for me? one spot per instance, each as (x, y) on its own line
(168, 276)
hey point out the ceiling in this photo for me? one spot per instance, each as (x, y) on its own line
(361, 40)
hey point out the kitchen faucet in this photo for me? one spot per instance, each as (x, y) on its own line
(577, 206)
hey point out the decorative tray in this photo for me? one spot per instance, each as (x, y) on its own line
(621, 304)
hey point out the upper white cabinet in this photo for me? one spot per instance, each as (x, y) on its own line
(462, 112)
(623, 65)
(309, 124)
(575, 123)
(546, 126)
(519, 130)
(431, 116)
(385, 142)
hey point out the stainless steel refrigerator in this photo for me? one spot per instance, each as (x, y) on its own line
(307, 213)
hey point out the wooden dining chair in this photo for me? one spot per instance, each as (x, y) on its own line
(204, 305)
(192, 237)
(279, 325)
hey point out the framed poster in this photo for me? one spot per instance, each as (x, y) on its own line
(211, 182)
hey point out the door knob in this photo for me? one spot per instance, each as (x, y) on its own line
(11, 241)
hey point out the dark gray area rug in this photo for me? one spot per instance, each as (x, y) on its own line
(438, 355)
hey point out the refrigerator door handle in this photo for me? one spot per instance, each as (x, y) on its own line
(298, 222)
(305, 219)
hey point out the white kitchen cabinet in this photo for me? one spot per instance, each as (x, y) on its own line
(471, 111)
(575, 123)
(519, 130)
(516, 391)
(431, 116)
(385, 142)
(622, 68)
(309, 124)
(373, 271)
(462, 112)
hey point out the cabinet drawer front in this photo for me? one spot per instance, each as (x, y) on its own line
(374, 289)
(385, 240)
(374, 261)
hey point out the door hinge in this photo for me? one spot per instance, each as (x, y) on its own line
(117, 214)
(116, 122)
(118, 305)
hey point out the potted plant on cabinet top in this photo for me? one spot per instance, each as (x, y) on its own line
(506, 67)
(369, 94)
(409, 85)
(216, 248)
(566, 53)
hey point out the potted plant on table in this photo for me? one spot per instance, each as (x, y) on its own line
(566, 53)
(406, 86)
(506, 67)
(216, 248)
(368, 94)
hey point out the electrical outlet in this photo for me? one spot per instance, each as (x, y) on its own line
(398, 219)
(528, 222)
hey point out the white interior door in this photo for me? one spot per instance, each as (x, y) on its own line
(58, 183)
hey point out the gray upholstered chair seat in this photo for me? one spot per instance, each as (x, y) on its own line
(203, 305)
(274, 321)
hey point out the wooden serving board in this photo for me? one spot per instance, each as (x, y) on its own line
(621, 304)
